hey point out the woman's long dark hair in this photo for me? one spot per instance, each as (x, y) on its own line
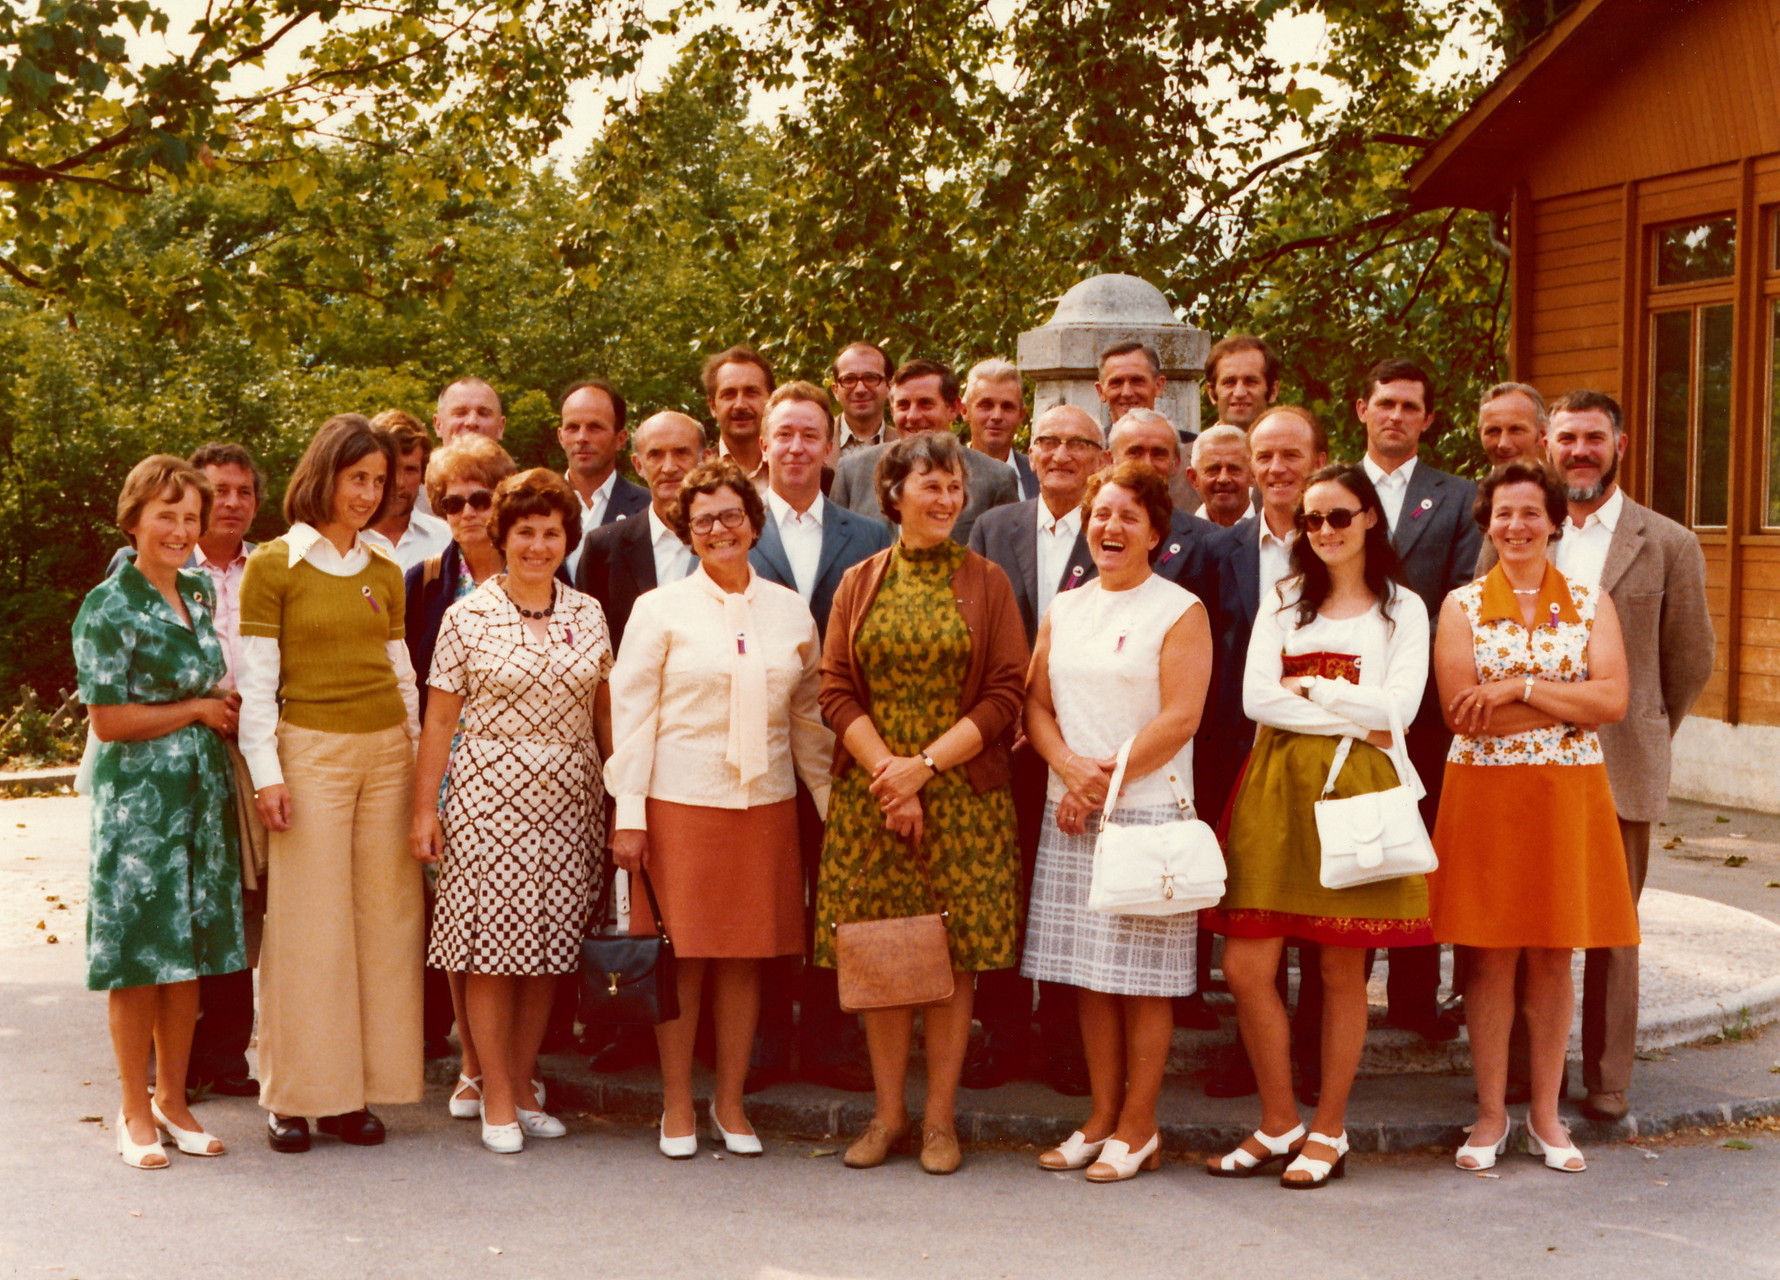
(1382, 568)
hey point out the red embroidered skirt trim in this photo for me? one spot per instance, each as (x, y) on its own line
(1334, 931)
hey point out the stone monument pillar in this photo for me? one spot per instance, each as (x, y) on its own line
(1062, 357)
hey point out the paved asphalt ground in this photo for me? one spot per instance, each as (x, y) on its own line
(432, 1204)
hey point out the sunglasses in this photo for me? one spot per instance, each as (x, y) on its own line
(480, 500)
(1338, 519)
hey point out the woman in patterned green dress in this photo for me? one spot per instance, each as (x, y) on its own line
(164, 898)
(923, 675)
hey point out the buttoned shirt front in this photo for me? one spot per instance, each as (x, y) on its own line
(673, 558)
(1392, 486)
(851, 440)
(227, 577)
(1056, 539)
(801, 535)
(1276, 559)
(1581, 554)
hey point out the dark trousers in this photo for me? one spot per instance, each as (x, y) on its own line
(225, 1026)
(1610, 988)
(1412, 988)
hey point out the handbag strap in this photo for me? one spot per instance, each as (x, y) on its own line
(1398, 755)
(597, 921)
(1181, 797)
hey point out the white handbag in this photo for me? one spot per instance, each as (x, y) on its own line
(1162, 870)
(1377, 836)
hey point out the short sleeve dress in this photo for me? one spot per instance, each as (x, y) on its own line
(164, 890)
(525, 814)
(1528, 839)
(914, 647)
(1106, 684)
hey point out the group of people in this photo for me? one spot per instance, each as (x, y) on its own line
(839, 669)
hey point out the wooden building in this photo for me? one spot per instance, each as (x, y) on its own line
(1632, 152)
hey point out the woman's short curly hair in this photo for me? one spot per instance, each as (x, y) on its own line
(1141, 480)
(161, 477)
(922, 452)
(537, 492)
(707, 478)
(468, 457)
(1523, 471)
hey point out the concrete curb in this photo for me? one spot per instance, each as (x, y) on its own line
(36, 781)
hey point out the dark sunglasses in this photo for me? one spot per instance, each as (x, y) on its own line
(1338, 519)
(482, 500)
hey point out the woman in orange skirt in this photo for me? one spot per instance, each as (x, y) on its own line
(714, 719)
(1530, 856)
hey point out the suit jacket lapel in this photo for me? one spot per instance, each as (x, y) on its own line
(1026, 560)
(837, 533)
(641, 554)
(1247, 563)
(1079, 558)
(1627, 540)
(1424, 485)
(771, 550)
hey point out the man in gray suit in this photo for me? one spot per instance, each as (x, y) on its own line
(994, 408)
(1429, 513)
(807, 544)
(924, 397)
(1655, 572)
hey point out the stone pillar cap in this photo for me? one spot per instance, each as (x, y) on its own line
(1101, 311)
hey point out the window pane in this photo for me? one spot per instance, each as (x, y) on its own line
(1703, 251)
(1671, 360)
(1713, 460)
(1774, 412)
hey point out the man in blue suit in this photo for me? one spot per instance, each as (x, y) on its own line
(807, 544)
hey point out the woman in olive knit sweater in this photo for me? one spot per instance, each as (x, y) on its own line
(327, 728)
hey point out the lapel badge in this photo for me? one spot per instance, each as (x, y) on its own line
(1427, 505)
(1171, 553)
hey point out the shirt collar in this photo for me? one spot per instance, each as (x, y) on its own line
(1554, 605)
(710, 587)
(1069, 522)
(784, 512)
(604, 490)
(1267, 534)
(658, 528)
(723, 452)
(1607, 514)
(303, 539)
(202, 561)
(1380, 477)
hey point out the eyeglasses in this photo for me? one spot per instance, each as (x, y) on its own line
(729, 517)
(870, 381)
(1074, 444)
(476, 500)
(1338, 519)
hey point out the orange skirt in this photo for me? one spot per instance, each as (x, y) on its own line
(1530, 856)
(730, 880)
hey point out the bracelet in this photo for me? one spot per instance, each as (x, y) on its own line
(928, 761)
(1526, 693)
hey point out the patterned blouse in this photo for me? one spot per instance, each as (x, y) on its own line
(1554, 649)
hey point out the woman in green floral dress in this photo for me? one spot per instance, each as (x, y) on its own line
(164, 901)
(923, 675)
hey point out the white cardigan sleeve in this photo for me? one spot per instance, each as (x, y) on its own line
(636, 713)
(1406, 649)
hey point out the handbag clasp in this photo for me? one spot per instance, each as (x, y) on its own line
(612, 982)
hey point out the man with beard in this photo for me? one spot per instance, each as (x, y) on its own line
(407, 533)
(1656, 573)
(1219, 474)
(737, 383)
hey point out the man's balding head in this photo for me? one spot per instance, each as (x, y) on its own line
(469, 404)
(665, 447)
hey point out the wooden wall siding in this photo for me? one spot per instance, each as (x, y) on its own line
(1712, 701)
(1704, 89)
(1572, 329)
(1758, 630)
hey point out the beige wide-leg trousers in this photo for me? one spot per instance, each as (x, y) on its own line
(340, 967)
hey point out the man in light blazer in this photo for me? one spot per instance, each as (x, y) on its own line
(1437, 540)
(924, 397)
(807, 544)
(1655, 572)
(1040, 545)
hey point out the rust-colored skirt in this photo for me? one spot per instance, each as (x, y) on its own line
(1530, 856)
(730, 880)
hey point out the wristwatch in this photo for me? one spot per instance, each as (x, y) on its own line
(928, 761)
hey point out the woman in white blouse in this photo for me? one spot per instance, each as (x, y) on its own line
(1340, 652)
(714, 718)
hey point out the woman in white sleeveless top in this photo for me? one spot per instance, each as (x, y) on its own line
(1126, 655)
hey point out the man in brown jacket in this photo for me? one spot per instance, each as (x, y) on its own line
(1655, 572)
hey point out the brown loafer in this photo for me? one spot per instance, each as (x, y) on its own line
(872, 1147)
(1605, 1106)
(939, 1150)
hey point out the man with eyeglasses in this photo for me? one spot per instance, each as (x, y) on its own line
(1041, 547)
(860, 380)
(1429, 513)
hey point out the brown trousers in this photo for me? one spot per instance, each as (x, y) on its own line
(340, 968)
(1610, 988)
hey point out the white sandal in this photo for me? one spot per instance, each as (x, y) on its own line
(463, 1108)
(1074, 1152)
(1482, 1157)
(1243, 1163)
(1118, 1162)
(194, 1142)
(138, 1154)
(1320, 1171)
(1556, 1157)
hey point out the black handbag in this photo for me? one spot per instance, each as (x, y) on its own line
(628, 979)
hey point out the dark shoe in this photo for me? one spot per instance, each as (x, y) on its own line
(849, 1075)
(1068, 1076)
(223, 1087)
(1310, 1090)
(437, 1047)
(629, 1047)
(1443, 1026)
(1233, 1080)
(355, 1128)
(989, 1067)
(289, 1134)
(1605, 1106)
(1193, 1013)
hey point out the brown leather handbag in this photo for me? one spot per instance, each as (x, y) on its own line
(891, 964)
